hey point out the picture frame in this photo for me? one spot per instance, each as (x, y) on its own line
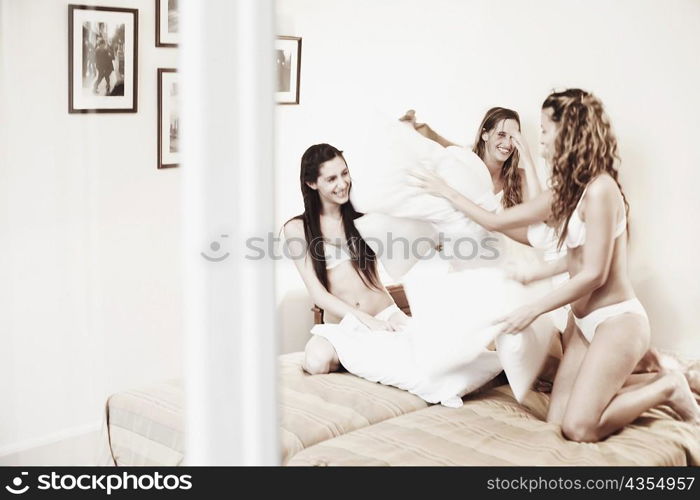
(168, 118)
(288, 55)
(167, 23)
(102, 59)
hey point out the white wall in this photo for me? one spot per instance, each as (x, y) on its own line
(90, 231)
(451, 60)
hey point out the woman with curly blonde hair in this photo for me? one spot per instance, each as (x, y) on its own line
(595, 391)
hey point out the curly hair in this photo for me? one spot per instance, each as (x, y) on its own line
(584, 148)
(510, 173)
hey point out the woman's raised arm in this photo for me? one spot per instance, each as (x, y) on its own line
(524, 214)
(425, 130)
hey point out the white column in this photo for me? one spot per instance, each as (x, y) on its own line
(226, 49)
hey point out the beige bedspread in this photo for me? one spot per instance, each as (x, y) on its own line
(493, 429)
(145, 427)
(317, 408)
(339, 419)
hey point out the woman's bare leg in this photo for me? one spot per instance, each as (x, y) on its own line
(693, 377)
(637, 380)
(655, 360)
(320, 356)
(545, 378)
(574, 347)
(647, 368)
(596, 407)
(677, 393)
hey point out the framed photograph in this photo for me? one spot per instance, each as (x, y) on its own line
(288, 51)
(167, 16)
(168, 118)
(102, 59)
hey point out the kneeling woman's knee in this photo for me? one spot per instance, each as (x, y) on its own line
(580, 430)
(555, 414)
(319, 357)
(316, 365)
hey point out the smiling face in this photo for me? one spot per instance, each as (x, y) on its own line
(548, 134)
(333, 183)
(498, 141)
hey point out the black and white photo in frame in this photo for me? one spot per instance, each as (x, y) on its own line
(168, 118)
(288, 63)
(102, 59)
(167, 23)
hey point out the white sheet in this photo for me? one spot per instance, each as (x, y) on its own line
(453, 323)
(389, 358)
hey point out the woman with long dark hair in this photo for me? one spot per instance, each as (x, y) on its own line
(338, 268)
(595, 391)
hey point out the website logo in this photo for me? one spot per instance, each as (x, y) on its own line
(16, 488)
(215, 246)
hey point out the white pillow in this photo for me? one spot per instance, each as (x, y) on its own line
(399, 243)
(381, 183)
(453, 318)
(523, 354)
(454, 314)
(389, 358)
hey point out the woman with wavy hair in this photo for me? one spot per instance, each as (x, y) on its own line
(501, 146)
(338, 268)
(595, 392)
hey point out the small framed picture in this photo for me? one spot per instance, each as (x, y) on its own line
(288, 51)
(168, 118)
(167, 16)
(102, 59)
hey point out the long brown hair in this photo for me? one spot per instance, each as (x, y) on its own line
(362, 257)
(512, 182)
(584, 148)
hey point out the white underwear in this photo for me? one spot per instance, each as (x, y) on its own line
(387, 313)
(589, 323)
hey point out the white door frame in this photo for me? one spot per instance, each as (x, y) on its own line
(228, 197)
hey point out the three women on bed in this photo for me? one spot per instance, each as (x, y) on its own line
(338, 268)
(595, 392)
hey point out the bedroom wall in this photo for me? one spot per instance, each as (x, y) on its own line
(89, 262)
(451, 60)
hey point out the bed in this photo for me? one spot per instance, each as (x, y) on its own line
(340, 419)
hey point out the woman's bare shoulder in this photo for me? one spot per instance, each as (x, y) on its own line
(601, 187)
(294, 228)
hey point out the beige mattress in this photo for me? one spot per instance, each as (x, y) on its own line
(144, 427)
(493, 429)
(314, 409)
(339, 419)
